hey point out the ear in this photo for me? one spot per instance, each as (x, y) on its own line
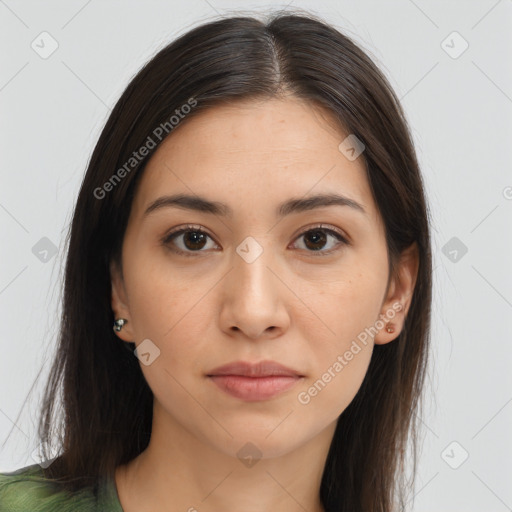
(119, 302)
(398, 299)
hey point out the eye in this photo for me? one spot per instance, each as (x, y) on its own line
(191, 239)
(317, 238)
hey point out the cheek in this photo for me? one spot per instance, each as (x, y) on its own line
(340, 351)
(160, 296)
(330, 392)
(179, 333)
(340, 309)
(341, 337)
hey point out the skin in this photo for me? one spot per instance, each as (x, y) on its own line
(290, 305)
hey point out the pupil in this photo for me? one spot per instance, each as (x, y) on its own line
(316, 239)
(195, 238)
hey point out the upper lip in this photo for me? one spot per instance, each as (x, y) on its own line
(260, 369)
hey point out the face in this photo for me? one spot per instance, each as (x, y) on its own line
(251, 282)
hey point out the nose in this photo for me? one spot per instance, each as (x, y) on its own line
(254, 297)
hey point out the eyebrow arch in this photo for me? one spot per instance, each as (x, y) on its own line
(200, 204)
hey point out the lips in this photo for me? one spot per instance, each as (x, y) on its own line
(260, 369)
(254, 382)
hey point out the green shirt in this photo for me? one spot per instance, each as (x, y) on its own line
(27, 490)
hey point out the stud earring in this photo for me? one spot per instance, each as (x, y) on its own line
(118, 324)
(390, 328)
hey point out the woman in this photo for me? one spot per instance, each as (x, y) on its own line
(252, 226)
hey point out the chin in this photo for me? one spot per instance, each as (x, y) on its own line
(258, 444)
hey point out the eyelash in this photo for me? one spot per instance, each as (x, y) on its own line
(169, 237)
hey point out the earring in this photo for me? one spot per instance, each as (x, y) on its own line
(118, 324)
(390, 328)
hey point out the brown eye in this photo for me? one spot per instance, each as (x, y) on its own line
(187, 240)
(194, 240)
(190, 239)
(316, 239)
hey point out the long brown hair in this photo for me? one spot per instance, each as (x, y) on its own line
(106, 403)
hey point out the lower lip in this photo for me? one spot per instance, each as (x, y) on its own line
(254, 388)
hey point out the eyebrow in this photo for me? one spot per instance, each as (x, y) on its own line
(203, 205)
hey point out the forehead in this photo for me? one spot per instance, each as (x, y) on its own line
(260, 126)
(260, 152)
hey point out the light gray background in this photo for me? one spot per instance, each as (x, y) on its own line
(460, 111)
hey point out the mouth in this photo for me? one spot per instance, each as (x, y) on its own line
(260, 369)
(254, 389)
(254, 382)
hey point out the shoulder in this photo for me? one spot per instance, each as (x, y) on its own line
(27, 490)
